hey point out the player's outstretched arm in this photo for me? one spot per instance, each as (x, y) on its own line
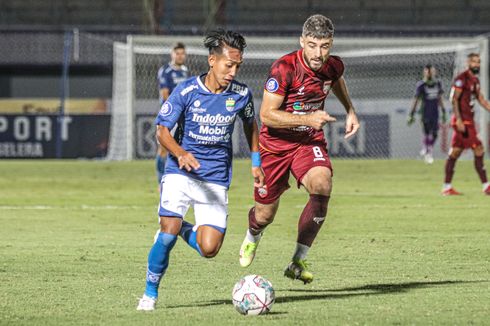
(339, 88)
(483, 102)
(186, 159)
(252, 134)
(271, 116)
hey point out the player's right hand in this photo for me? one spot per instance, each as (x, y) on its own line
(188, 162)
(319, 118)
(460, 125)
(410, 120)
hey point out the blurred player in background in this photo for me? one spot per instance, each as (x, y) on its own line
(464, 92)
(429, 91)
(198, 171)
(169, 76)
(292, 139)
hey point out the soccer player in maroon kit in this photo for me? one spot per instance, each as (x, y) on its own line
(292, 139)
(464, 92)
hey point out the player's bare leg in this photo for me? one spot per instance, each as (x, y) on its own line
(447, 189)
(318, 183)
(259, 217)
(479, 152)
(209, 240)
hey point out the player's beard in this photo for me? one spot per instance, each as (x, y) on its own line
(316, 64)
(475, 70)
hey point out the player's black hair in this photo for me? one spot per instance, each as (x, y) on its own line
(178, 45)
(318, 26)
(428, 66)
(217, 39)
(473, 54)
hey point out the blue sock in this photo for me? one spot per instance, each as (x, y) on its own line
(158, 262)
(190, 236)
(160, 166)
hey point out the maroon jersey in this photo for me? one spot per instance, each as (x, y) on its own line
(304, 91)
(469, 85)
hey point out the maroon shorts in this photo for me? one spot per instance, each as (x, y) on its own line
(467, 139)
(277, 166)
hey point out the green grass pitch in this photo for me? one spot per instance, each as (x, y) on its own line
(74, 239)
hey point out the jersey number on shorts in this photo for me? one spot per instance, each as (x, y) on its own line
(317, 152)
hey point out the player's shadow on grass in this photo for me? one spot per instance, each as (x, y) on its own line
(323, 294)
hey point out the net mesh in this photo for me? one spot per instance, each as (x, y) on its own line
(380, 73)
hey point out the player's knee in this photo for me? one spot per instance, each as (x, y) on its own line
(479, 151)
(209, 250)
(455, 153)
(322, 187)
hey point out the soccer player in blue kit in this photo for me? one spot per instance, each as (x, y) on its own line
(198, 170)
(429, 91)
(169, 76)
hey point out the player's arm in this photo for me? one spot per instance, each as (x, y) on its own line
(443, 109)
(456, 109)
(164, 93)
(483, 102)
(271, 116)
(252, 134)
(339, 88)
(186, 160)
(411, 115)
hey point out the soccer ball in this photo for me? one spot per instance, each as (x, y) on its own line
(253, 295)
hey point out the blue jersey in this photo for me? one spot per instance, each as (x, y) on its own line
(429, 93)
(205, 124)
(169, 77)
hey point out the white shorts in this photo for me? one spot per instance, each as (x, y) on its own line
(209, 200)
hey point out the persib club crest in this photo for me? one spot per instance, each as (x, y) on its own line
(230, 104)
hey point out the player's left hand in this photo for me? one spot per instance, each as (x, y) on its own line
(351, 124)
(258, 175)
(443, 117)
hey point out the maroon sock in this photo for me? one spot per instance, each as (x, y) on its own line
(312, 218)
(480, 169)
(449, 170)
(254, 227)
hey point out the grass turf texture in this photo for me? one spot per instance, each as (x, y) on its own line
(74, 239)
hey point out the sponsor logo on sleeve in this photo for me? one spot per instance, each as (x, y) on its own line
(272, 85)
(249, 111)
(458, 83)
(166, 109)
(326, 86)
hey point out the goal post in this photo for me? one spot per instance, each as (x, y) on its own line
(381, 74)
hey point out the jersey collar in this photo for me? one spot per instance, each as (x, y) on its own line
(205, 89)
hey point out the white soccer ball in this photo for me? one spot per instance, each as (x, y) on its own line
(253, 295)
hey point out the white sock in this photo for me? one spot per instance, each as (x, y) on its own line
(253, 238)
(485, 185)
(301, 251)
(446, 186)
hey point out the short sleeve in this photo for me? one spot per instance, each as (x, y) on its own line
(171, 110)
(419, 89)
(459, 83)
(163, 79)
(280, 77)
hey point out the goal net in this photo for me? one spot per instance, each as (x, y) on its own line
(381, 74)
